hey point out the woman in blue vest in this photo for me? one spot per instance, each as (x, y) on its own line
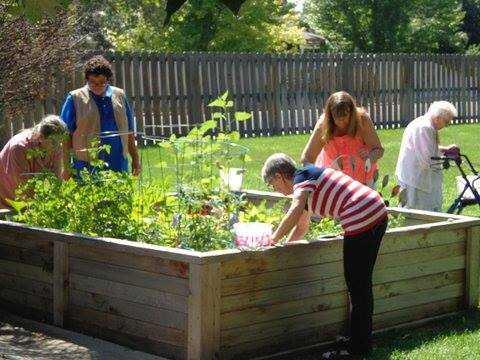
(100, 111)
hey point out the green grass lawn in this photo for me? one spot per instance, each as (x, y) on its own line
(466, 136)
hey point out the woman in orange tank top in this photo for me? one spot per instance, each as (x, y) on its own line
(345, 139)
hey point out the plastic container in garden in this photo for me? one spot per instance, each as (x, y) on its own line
(252, 235)
(233, 178)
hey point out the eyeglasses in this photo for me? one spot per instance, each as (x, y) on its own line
(97, 84)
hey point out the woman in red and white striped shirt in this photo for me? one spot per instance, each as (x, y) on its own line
(361, 212)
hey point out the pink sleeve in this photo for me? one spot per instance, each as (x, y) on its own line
(16, 164)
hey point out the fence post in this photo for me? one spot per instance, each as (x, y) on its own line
(472, 267)
(203, 342)
(406, 92)
(348, 61)
(60, 282)
(275, 100)
(194, 104)
(5, 127)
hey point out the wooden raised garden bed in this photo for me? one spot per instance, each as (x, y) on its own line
(189, 305)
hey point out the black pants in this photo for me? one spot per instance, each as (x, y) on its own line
(359, 256)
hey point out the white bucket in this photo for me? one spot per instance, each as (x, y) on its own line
(252, 235)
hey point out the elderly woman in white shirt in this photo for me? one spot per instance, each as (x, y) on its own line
(416, 173)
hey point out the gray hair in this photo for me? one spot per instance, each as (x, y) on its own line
(50, 125)
(278, 163)
(442, 109)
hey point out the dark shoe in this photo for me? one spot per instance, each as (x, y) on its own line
(359, 353)
(342, 343)
(336, 354)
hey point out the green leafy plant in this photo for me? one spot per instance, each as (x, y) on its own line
(198, 156)
(198, 215)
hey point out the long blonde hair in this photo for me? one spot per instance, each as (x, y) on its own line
(340, 103)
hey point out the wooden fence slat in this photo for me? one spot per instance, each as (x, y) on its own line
(137, 67)
(147, 93)
(156, 107)
(184, 121)
(172, 93)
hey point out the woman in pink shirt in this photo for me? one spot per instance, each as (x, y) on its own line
(345, 139)
(31, 151)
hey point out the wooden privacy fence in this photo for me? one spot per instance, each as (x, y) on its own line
(284, 93)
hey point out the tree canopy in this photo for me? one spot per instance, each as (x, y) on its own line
(201, 25)
(34, 41)
(388, 25)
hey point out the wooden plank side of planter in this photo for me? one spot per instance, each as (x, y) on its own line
(400, 241)
(298, 256)
(397, 239)
(127, 325)
(20, 231)
(133, 340)
(260, 314)
(134, 261)
(25, 270)
(25, 300)
(318, 296)
(395, 303)
(420, 297)
(280, 278)
(255, 262)
(415, 256)
(293, 292)
(423, 311)
(405, 261)
(278, 327)
(417, 284)
(60, 282)
(135, 294)
(25, 310)
(472, 282)
(204, 312)
(32, 256)
(149, 314)
(397, 273)
(29, 286)
(283, 342)
(125, 275)
(9, 236)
